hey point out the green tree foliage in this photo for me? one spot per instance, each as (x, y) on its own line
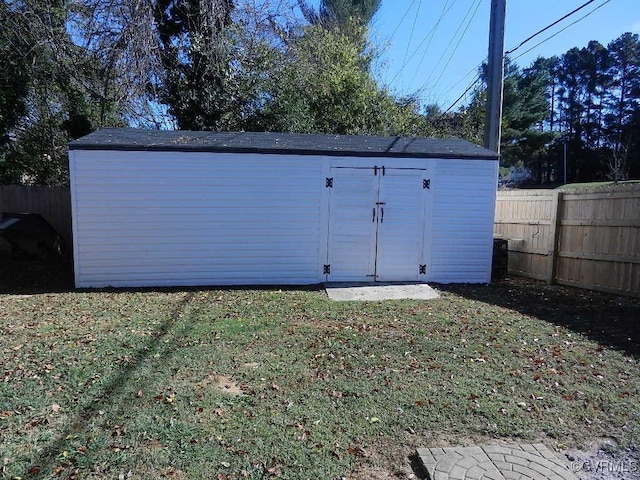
(323, 85)
(340, 13)
(594, 94)
(59, 96)
(524, 109)
(14, 79)
(195, 55)
(71, 66)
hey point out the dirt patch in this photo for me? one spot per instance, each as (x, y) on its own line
(396, 459)
(227, 385)
(224, 383)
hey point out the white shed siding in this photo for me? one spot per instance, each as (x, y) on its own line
(462, 217)
(193, 218)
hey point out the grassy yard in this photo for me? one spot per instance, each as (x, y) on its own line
(260, 383)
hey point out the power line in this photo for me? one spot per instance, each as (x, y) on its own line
(458, 44)
(415, 19)
(528, 39)
(530, 49)
(562, 30)
(474, 69)
(433, 31)
(402, 20)
(471, 85)
(421, 43)
(453, 38)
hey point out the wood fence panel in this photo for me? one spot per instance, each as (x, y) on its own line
(524, 219)
(599, 239)
(593, 242)
(53, 203)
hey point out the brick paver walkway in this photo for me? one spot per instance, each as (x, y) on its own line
(520, 461)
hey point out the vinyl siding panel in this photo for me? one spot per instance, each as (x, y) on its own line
(169, 218)
(462, 227)
(192, 218)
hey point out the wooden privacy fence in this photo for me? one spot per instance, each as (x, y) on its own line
(53, 203)
(587, 238)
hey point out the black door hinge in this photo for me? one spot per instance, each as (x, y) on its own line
(375, 170)
(423, 270)
(426, 183)
(326, 269)
(329, 183)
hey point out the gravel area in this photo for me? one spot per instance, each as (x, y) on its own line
(605, 463)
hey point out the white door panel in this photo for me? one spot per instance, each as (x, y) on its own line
(400, 231)
(352, 224)
(376, 224)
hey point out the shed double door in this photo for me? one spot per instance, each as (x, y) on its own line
(377, 224)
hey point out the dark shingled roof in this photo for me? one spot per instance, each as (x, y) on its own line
(280, 143)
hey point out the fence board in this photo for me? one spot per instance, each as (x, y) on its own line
(593, 241)
(524, 219)
(53, 203)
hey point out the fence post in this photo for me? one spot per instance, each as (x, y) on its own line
(554, 236)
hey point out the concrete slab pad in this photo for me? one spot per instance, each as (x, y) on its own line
(519, 461)
(374, 292)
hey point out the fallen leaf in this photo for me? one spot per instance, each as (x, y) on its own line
(139, 394)
(357, 451)
(55, 408)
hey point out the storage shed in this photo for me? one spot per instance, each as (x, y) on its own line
(173, 208)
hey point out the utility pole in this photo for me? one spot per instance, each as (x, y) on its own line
(495, 76)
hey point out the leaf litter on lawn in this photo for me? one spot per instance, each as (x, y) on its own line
(140, 380)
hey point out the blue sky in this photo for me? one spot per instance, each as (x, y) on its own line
(416, 57)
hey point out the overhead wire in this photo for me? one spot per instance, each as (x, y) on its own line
(455, 49)
(402, 20)
(531, 37)
(562, 30)
(471, 85)
(430, 33)
(453, 37)
(415, 19)
(528, 39)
